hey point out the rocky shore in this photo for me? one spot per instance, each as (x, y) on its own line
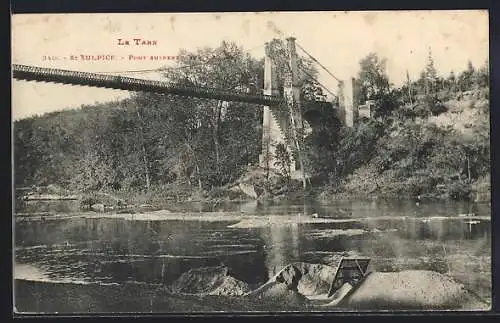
(297, 287)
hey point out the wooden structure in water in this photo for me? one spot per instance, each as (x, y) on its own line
(350, 270)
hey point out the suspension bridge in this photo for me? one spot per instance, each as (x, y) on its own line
(61, 76)
(283, 119)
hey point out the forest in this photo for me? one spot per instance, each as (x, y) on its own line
(429, 137)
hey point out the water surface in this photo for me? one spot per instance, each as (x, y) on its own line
(396, 235)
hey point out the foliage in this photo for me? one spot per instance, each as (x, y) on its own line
(372, 77)
(459, 191)
(151, 139)
(374, 85)
(321, 147)
(356, 147)
(283, 160)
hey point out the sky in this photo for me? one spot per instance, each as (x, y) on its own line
(339, 40)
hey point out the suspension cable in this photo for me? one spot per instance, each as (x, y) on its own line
(321, 65)
(319, 83)
(312, 78)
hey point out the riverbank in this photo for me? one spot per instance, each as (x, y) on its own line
(297, 287)
(257, 184)
(254, 185)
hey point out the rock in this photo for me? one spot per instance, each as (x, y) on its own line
(235, 189)
(230, 286)
(290, 276)
(308, 279)
(248, 190)
(199, 280)
(278, 295)
(53, 189)
(412, 290)
(97, 207)
(209, 281)
(340, 294)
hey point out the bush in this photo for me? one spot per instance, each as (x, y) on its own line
(407, 112)
(283, 160)
(356, 147)
(434, 105)
(459, 191)
(438, 108)
(224, 194)
(425, 107)
(87, 202)
(418, 185)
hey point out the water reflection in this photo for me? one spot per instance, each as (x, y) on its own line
(343, 208)
(397, 235)
(282, 245)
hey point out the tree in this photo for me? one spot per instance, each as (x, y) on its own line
(321, 147)
(407, 89)
(374, 82)
(431, 78)
(482, 76)
(227, 67)
(374, 85)
(452, 82)
(466, 78)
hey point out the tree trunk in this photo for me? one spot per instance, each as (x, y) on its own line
(215, 133)
(300, 155)
(197, 166)
(408, 83)
(468, 168)
(185, 170)
(144, 156)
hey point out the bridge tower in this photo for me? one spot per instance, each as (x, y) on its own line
(292, 97)
(282, 124)
(349, 101)
(271, 128)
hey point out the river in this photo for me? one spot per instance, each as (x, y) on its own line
(396, 235)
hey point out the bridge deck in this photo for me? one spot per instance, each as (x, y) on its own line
(41, 74)
(61, 76)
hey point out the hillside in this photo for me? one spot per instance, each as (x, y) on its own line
(444, 156)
